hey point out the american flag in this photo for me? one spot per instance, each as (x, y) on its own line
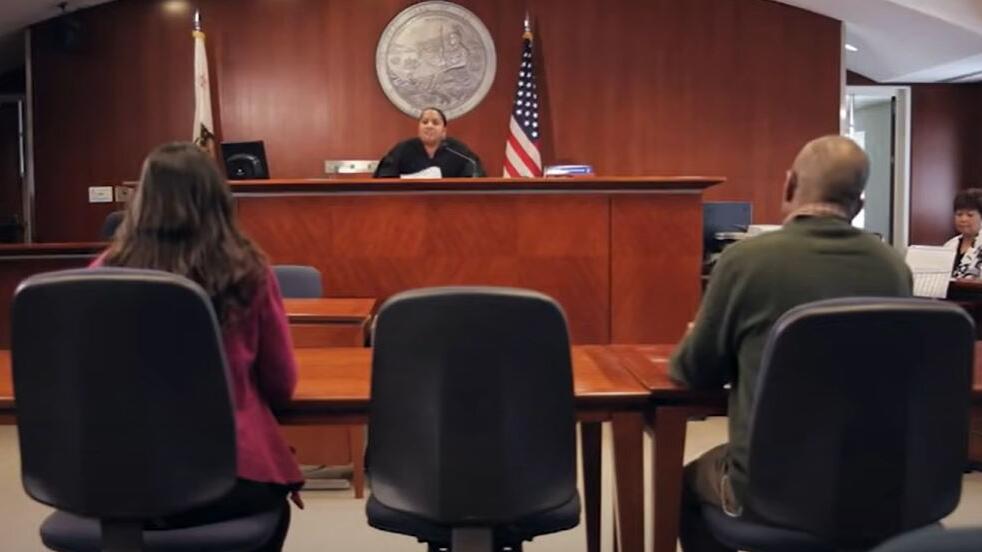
(522, 157)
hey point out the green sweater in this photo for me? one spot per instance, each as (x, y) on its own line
(753, 284)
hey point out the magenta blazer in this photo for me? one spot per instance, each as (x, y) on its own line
(263, 374)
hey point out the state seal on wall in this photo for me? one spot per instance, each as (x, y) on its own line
(436, 54)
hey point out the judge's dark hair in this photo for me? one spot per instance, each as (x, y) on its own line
(443, 116)
(182, 220)
(969, 199)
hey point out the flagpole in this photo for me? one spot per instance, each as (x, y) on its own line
(204, 130)
(522, 155)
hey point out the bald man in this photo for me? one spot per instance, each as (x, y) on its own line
(817, 254)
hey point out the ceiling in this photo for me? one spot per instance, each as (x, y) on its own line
(18, 14)
(898, 40)
(909, 40)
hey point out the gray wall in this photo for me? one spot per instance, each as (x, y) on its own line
(875, 121)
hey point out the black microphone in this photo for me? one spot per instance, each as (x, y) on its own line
(446, 146)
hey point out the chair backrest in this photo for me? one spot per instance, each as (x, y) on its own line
(861, 415)
(112, 222)
(299, 281)
(471, 419)
(123, 405)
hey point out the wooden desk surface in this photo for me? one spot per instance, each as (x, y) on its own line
(965, 285)
(604, 375)
(337, 379)
(330, 310)
(22, 250)
(599, 184)
(649, 363)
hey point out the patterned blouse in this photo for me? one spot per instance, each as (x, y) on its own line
(968, 265)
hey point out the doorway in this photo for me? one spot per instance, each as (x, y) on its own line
(11, 169)
(878, 119)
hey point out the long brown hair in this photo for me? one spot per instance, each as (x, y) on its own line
(182, 220)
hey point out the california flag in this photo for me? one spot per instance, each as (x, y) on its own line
(204, 128)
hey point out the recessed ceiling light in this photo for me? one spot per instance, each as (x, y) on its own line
(851, 48)
(177, 7)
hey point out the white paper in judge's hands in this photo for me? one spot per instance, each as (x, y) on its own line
(931, 267)
(428, 172)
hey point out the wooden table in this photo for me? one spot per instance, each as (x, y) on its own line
(968, 295)
(334, 385)
(670, 409)
(627, 385)
(330, 321)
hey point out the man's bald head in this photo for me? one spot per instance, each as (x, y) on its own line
(830, 169)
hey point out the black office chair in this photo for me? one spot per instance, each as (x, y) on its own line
(859, 427)
(299, 281)
(471, 426)
(109, 226)
(936, 539)
(124, 412)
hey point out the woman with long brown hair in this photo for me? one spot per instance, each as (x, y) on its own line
(182, 220)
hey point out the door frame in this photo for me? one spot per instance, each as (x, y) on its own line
(900, 231)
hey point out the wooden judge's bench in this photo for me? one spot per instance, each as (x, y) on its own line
(621, 254)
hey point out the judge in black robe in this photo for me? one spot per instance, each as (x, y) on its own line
(431, 148)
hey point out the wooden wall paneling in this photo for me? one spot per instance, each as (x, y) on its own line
(936, 158)
(656, 255)
(99, 110)
(945, 143)
(692, 90)
(634, 87)
(273, 68)
(971, 144)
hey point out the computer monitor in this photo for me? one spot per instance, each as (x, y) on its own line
(245, 160)
(723, 216)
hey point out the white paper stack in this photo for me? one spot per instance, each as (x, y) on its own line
(428, 172)
(931, 266)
